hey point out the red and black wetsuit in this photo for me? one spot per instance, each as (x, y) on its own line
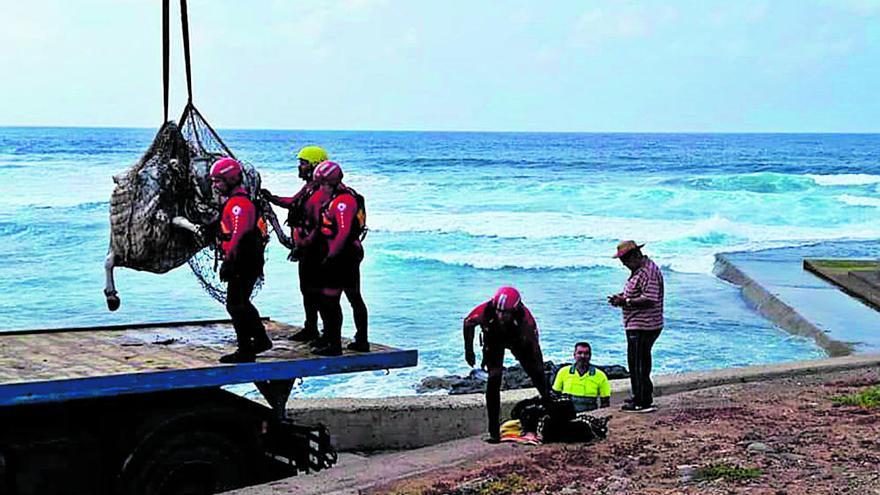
(304, 218)
(343, 253)
(241, 241)
(520, 335)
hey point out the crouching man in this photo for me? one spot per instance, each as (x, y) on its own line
(506, 324)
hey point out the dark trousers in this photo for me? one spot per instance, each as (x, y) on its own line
(532, 362)
(311, 292)
(358, 307)
(249, 328)
(638, 355)
(331, 315)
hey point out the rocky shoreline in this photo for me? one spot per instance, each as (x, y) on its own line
(514, 378)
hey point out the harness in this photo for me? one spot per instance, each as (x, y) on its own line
(327, 222)
(494, 328)
(260, 224)
(296, 212)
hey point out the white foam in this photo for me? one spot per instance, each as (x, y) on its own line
(671, 242)
(858, 200)
(845, 179)
(550, 225)
(489, 261)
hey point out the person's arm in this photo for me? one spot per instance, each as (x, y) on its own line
(616, 299)
(344, 209)
(474, 318)
(649, 294)
(558, 381)
(604, 391)
(468, 333)
(529, 330)
(277, 200)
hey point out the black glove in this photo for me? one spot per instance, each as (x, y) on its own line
(226, 269)
(470, 358)
(295, 254)
(269, 196)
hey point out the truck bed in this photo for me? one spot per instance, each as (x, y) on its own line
(63, 364)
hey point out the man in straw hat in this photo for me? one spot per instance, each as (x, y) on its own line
(642, 305)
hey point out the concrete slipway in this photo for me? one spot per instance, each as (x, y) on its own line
(773, 281)
(776, 284)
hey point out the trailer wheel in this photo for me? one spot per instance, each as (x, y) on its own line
(190, 463)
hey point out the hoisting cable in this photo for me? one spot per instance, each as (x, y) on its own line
(165, 55)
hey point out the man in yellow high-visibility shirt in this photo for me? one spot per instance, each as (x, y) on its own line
(587, 385)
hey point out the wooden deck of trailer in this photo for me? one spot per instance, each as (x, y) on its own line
(64, 364)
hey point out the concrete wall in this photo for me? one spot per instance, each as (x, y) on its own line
(411, 422)
(772, 308)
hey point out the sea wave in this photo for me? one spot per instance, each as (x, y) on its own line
(684, 246)
(490, 261)
(760, 182)
(858, 200)
(549, 225)
(844, 179)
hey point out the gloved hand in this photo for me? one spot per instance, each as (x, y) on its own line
(269, 196)
(226, 269)
(470, 358)
(295, 254)
(199, 234)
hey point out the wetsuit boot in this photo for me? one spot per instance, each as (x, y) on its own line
(331, 313)
(245, 352)
(309, 331)
(359, 311)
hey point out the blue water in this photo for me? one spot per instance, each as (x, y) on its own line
(453, 216)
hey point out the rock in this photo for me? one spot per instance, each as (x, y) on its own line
(686, 472)
(791, 457)
(514, 378)
(759, 447)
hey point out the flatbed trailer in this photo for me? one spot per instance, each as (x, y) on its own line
(140, 408)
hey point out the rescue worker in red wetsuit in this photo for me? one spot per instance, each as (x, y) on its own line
(304, 217)
(241, 242)
(506, 323)
(340, 267)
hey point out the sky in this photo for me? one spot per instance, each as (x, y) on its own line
(459, 65)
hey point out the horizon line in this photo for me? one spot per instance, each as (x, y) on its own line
(462, 131)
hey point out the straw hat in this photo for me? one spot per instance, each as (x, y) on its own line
(624, 247)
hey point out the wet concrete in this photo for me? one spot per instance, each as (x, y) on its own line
(776, 284)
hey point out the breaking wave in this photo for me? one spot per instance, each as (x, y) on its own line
(845, 179)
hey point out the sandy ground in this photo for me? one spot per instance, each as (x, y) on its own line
(789, 432)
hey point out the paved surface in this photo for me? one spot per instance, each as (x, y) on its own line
(355, 473)
(839, 316)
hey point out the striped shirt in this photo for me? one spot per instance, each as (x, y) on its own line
(647, 281)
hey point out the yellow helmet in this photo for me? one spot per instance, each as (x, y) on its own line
(312, 154)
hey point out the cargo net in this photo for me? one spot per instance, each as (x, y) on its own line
(164, 212)
(206, 147)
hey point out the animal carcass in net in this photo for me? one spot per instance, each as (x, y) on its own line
(160, 193)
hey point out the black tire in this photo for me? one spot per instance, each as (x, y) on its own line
(188, 463)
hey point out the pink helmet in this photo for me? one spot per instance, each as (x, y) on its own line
(328, 172)
(227, 169)
(506, 299)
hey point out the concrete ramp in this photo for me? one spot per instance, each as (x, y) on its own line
(800, 302)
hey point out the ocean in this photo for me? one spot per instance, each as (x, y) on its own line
(455, 215)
